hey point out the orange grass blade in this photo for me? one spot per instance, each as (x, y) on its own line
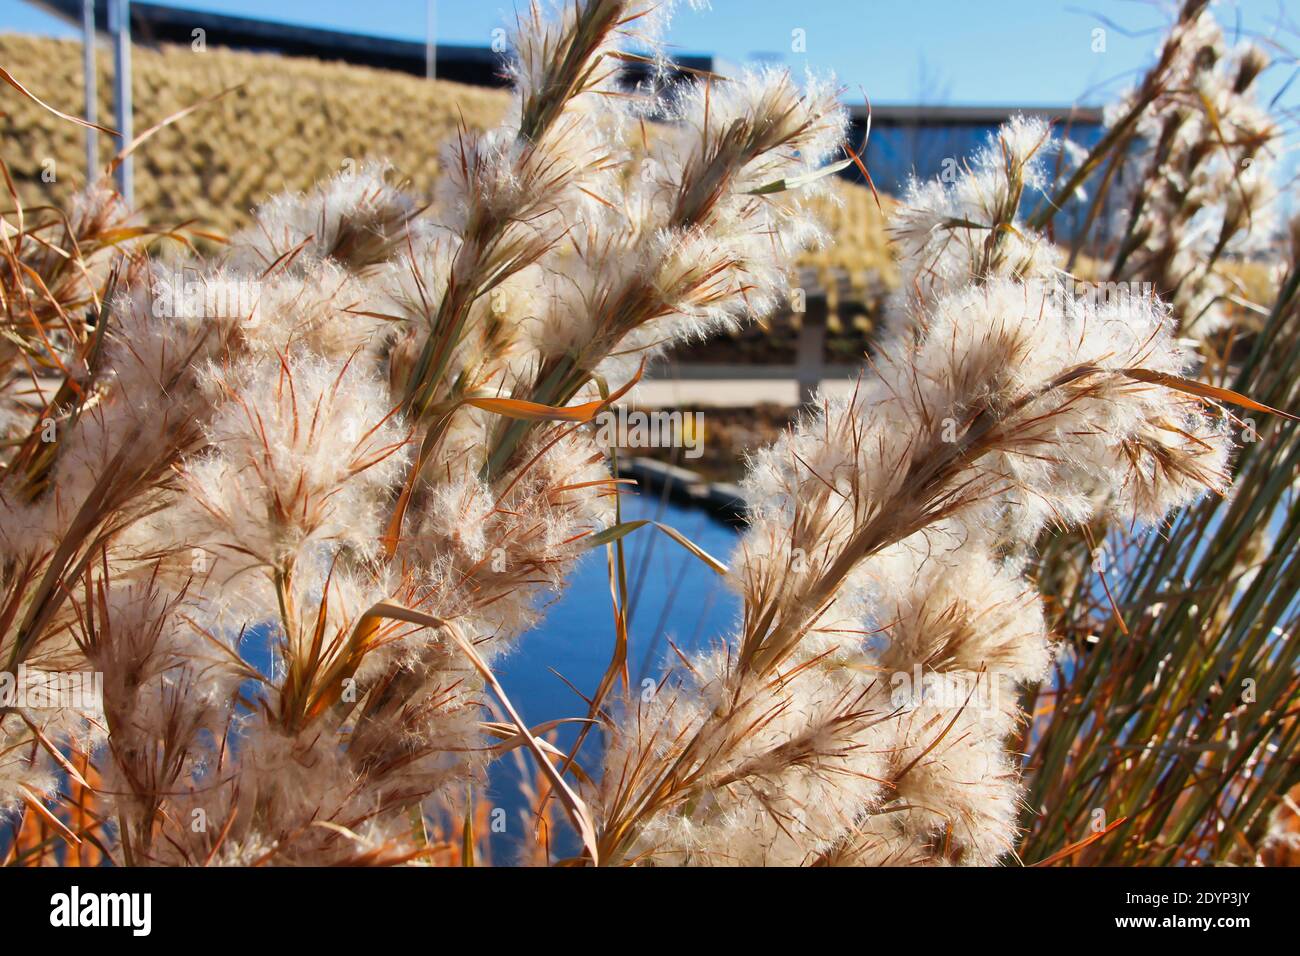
(518, 408)
(1204, 390)
(1074, 848)
(45, 814)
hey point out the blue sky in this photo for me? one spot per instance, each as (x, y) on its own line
(1020, 52)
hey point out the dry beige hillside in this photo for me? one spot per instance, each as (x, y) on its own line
(291, 122)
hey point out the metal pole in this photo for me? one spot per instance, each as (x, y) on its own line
(88, 44)
(121, 27)
(430, 41)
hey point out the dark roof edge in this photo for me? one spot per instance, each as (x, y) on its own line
(979, 114)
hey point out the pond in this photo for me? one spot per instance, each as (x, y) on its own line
(673, 596)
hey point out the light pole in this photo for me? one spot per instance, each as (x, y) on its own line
(88, 68)
(120, 25)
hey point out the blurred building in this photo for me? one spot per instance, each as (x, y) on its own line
(931, 142)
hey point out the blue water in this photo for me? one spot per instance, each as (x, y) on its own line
(673, 596)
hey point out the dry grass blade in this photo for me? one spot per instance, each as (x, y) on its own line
(623, 529)
(8, 78)
(178, 115)
(718, 566)
(56, 754)
(797, 182)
